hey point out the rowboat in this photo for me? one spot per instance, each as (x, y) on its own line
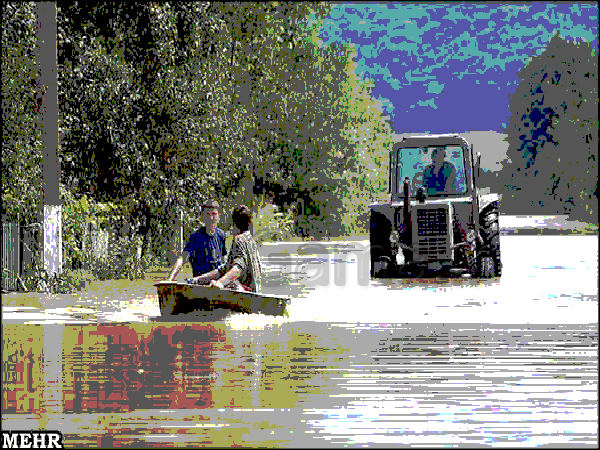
(183, 298)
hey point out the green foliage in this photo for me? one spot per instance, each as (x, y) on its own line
(21, 132)
(165, 105)
(77, 280)
(68, 281)
(152, 263)
(78, 218)
(553, 135)
(132, 261)
(125, 263)
(271, 225)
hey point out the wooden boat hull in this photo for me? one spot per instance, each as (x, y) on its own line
(182, 298)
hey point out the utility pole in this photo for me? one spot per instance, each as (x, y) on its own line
(47, 47)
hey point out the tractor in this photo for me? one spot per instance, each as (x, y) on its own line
(436, 220)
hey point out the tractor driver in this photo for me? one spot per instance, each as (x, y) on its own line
(439, 177)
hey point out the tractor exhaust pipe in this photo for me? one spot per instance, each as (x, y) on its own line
(475, 165)
(407, 224)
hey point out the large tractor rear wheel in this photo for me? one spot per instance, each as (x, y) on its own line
(486, 267)
(489, 260)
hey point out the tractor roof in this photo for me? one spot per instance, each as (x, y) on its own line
(432, 140)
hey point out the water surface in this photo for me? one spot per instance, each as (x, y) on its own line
(509, 361)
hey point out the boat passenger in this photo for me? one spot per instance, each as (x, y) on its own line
(242, 270)
(205, 249)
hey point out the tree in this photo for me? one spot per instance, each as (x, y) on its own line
(140, 104)
(21, 128)
(573, 164)
(554, 120)
(164, 105)
(309, 118)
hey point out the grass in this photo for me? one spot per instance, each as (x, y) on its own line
(588, 229)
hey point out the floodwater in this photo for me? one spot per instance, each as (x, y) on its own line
(510, 361)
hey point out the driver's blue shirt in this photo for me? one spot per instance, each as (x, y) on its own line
(207, 253)
(436, 181)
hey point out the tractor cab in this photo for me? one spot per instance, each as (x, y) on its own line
(439, 167)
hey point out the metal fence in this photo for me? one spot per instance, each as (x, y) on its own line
(11, 256)
(20, 252)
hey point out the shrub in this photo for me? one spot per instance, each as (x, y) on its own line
(68, 281)
(153, 263)
(106, 267)
(76, 280)
(271, 225)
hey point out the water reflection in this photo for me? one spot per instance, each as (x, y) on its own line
(168, 367)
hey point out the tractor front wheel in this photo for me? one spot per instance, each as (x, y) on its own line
(380, 251)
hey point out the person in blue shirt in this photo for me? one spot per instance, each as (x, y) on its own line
(205, 249)
(440, 177)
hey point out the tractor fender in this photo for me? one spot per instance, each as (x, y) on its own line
(488, 202)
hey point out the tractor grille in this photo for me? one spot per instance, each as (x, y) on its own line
(433, 240)
(432, 222)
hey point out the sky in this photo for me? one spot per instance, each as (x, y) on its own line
(451, 68)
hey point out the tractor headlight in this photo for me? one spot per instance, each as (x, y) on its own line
(400, 259)
(471, 236)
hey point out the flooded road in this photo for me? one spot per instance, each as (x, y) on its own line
(509, 361)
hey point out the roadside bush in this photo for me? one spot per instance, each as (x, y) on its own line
(122, 261)
(358, 223)
(106, 267)
(68, 281)
(31, 280)
(76, 280)
(132, 257)
(153, 263)
(273, 226)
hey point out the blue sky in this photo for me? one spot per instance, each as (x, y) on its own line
(452, 68)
